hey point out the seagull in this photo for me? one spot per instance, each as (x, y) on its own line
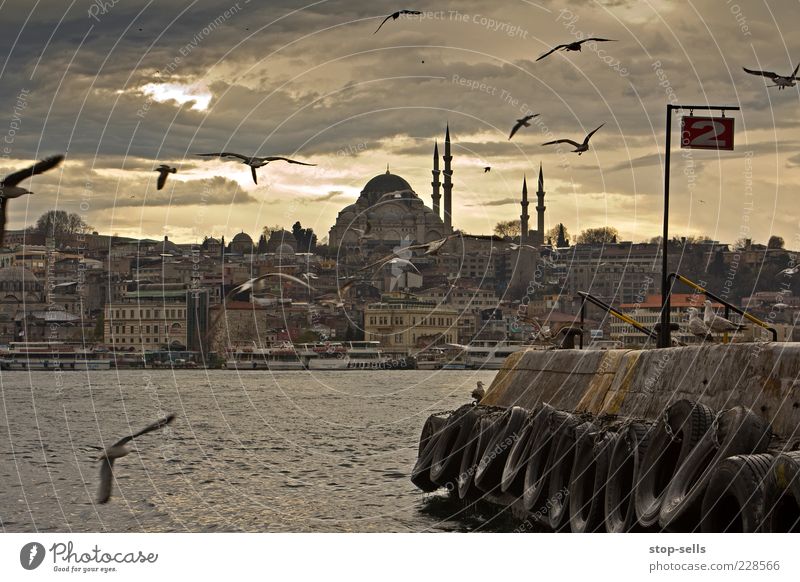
(398, 262)
(309, 276)
(579, 147)
(253, 161)
(780, 306)
(163, 172)
(515, 247)
(479, 392)
(696, 326)
(789, 271)
(717, 323)
(781, 81)
(251, 283)
(9, 188)
(487, 169)
(363, 233)
(395, 16)
(574, 46)
(430, 248)
(118, 450)
(523, 122)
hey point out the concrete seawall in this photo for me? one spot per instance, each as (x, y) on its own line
(643, 383)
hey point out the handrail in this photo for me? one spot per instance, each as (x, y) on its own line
(708, 293)
(618, 314)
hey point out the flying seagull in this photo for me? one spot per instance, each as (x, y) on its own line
(487, 169)
(788, 272)
(516, 247)
(395, 16)
(479, 392)
(251, 283)
(781, 81)
(430, 248)
(717, 323)
(579, 147)
(523, 122)
(696, 326)
(118, 450)
(573, 46)
(9, 188)
(163, 172)
(253, 161)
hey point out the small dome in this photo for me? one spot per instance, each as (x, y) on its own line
(285, 250)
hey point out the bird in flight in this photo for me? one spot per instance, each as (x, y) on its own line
(431, 248)
(717, 323)
(251, 283)
(781, 81)
(524, 122)
(579, 147)
(516, 247)
(395, 16)
(789, 271)
(163, 172)
(10, 189)
(118, 450)
(487, 169)
(253, 161)
(573, 46)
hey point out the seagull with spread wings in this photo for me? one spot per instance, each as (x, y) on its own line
(118, 450)
(253, 161)
(395, 16)
(781, 81)
(579, 147)
(9, 186)
(522, 122)
(573, 46)
(431, 248)
(163, 171)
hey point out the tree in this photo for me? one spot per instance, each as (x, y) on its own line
(59, 224)
(560, 234)
(268, 230)
(600, 235)
(776, 242)
(508, 228)
(304, 237)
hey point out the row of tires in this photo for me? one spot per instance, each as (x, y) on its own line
(693, 470)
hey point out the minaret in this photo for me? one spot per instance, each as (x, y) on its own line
(448, 183)
(435, 196)
(540, 207)
(523, 218)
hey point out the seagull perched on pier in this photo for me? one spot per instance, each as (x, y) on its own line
(573, 46)
(118, 450)
(395, 16)
(253, 161)
(579, 147)
(9, 188)
(717, 323)
(163, 171)
(479, 392)
(696, 326)
(524, 122)
(781, 81)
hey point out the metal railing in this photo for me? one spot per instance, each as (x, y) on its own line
(615, 312)
(728, 306)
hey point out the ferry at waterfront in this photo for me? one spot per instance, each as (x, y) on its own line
(52, 356)
(351, 355)
(489, 355)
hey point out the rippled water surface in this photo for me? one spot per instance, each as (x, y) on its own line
(289, 451)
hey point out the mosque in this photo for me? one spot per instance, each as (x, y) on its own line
(393, 212)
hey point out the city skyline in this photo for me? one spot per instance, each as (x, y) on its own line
(142, 93)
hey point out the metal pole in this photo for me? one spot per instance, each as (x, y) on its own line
(663, 338)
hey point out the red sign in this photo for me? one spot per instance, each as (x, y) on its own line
(707, 133)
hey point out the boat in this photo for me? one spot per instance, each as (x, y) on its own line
(489, 355)
(52, 356)
(350, 355)
(277, 358)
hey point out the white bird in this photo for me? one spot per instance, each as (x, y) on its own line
(717, 323)
(788, 272)
(395, 16)
(9, 188)
(399, 262)
(431, 248)
(479, 392)
(516, 247)
(251, 283)
(309, 276)
(253, 161)
(118, 450)
(781, 81)
(780, 306)
(523, 122)
(363, 233)
(163, 172)
(579, 147)
(573, 46)
(696, 326)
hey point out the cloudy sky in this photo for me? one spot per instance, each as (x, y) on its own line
(124, 85)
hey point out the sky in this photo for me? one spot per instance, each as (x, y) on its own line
(123, 86)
